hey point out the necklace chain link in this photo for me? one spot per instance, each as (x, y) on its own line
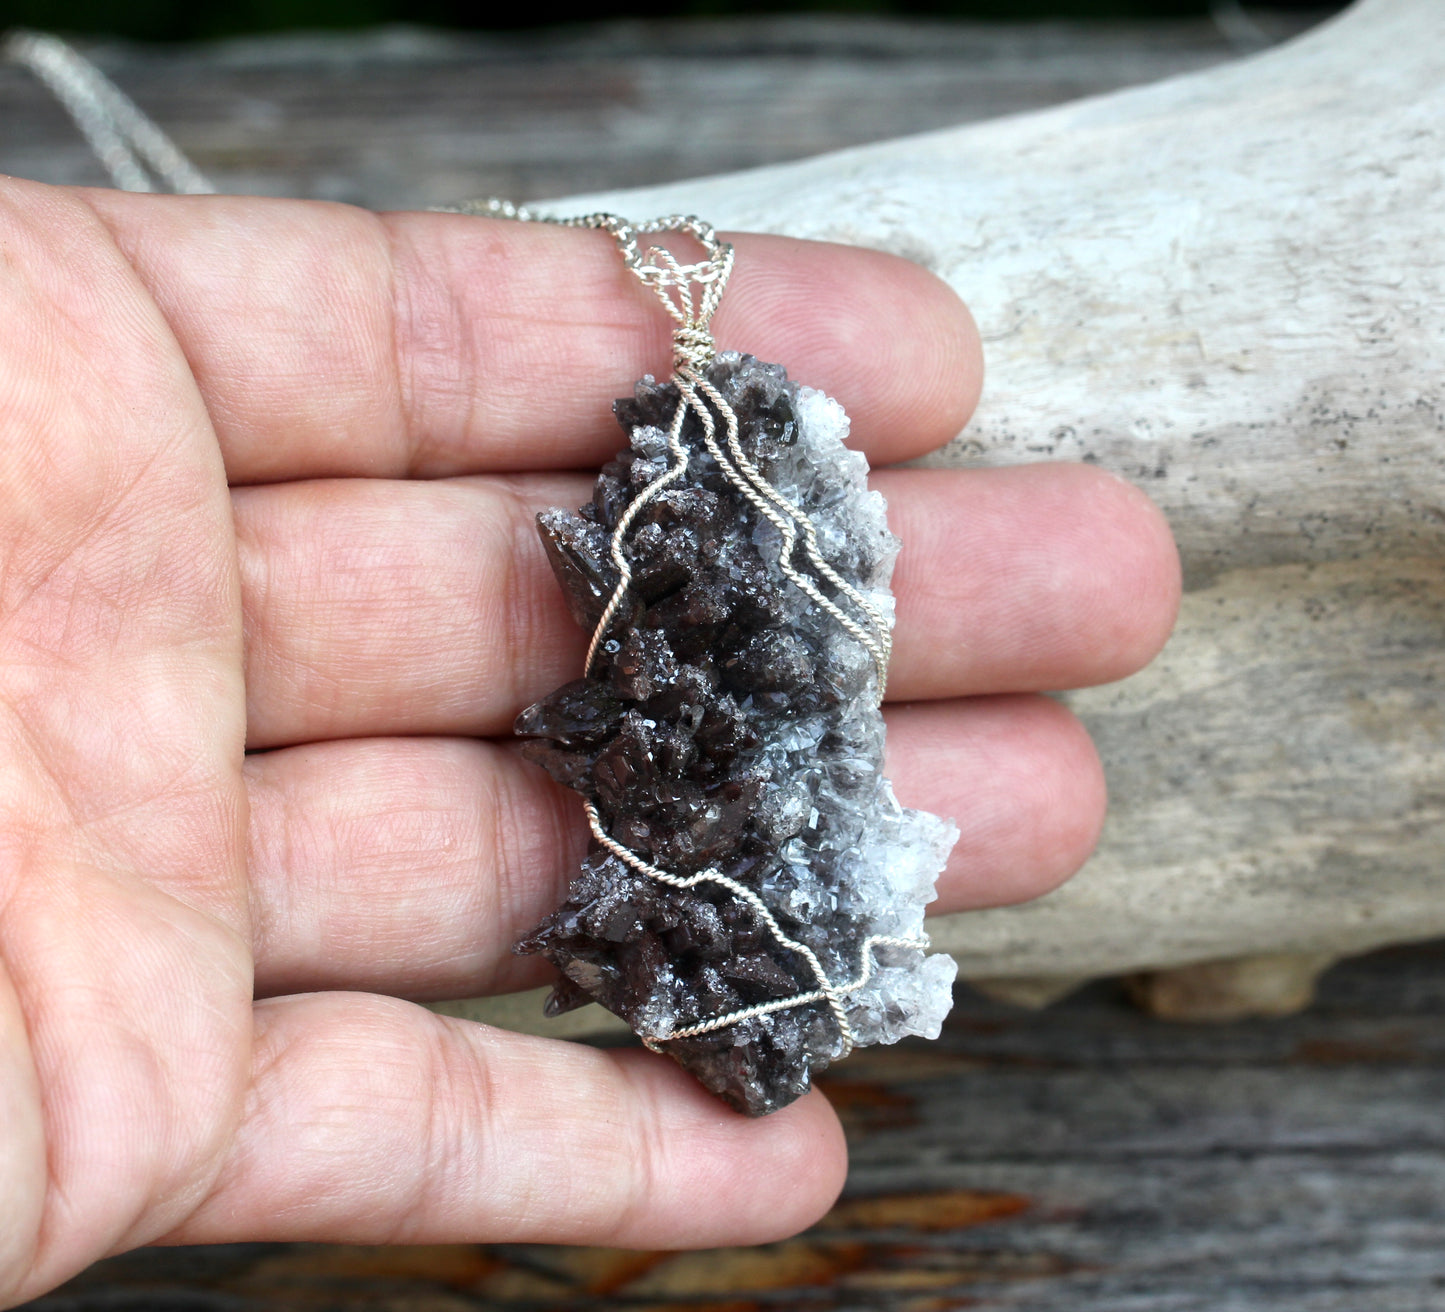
(128, 143)
(139, 156)
(689, 292)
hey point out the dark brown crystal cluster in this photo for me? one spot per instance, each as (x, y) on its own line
(729, 725)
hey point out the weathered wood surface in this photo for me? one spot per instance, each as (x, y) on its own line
(1082, 1159)
(1227, 288)
(410, 118)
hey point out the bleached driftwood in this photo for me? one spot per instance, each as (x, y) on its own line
(1228, 288)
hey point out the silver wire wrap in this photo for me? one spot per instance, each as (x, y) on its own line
(124, 139)
(826, 991)
(690, 293)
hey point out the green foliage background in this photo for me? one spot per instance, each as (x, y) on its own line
(163, 20)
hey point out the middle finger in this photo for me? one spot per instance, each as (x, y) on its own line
(376, 607)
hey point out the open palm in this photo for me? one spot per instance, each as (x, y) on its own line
(269, 472)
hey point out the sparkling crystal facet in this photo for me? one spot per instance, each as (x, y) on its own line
(731, 724)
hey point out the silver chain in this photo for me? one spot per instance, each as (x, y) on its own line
(625, 233)
(131, 148)
(690, 293)
(138, 155)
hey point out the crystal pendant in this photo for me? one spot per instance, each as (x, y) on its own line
(752, 904)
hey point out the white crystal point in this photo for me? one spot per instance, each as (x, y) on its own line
(895, 856)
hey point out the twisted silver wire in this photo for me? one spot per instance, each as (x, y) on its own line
(655, 267)
(692, 347)
(619, 535)
(675, 285)
(789, 519)
(827, 991)
(690, 294)
(835, 991)
(123, 138)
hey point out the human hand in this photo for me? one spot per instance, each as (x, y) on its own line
(366, 606)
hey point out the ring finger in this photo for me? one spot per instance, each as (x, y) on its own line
(410, 866)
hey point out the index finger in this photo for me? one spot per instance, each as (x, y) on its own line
(329, 341)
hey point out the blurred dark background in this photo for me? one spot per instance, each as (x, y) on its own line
(408, 103)
(181, 20)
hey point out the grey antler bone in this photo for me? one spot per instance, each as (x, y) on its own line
(1226, 287)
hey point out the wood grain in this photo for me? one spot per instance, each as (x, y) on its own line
(411, 118)
(1082, 1159)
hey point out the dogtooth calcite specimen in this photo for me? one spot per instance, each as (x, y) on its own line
(753, 902)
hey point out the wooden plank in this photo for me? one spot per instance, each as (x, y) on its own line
(1082, 1159)
(406, 117)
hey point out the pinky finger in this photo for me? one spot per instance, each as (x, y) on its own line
(373, 1121)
